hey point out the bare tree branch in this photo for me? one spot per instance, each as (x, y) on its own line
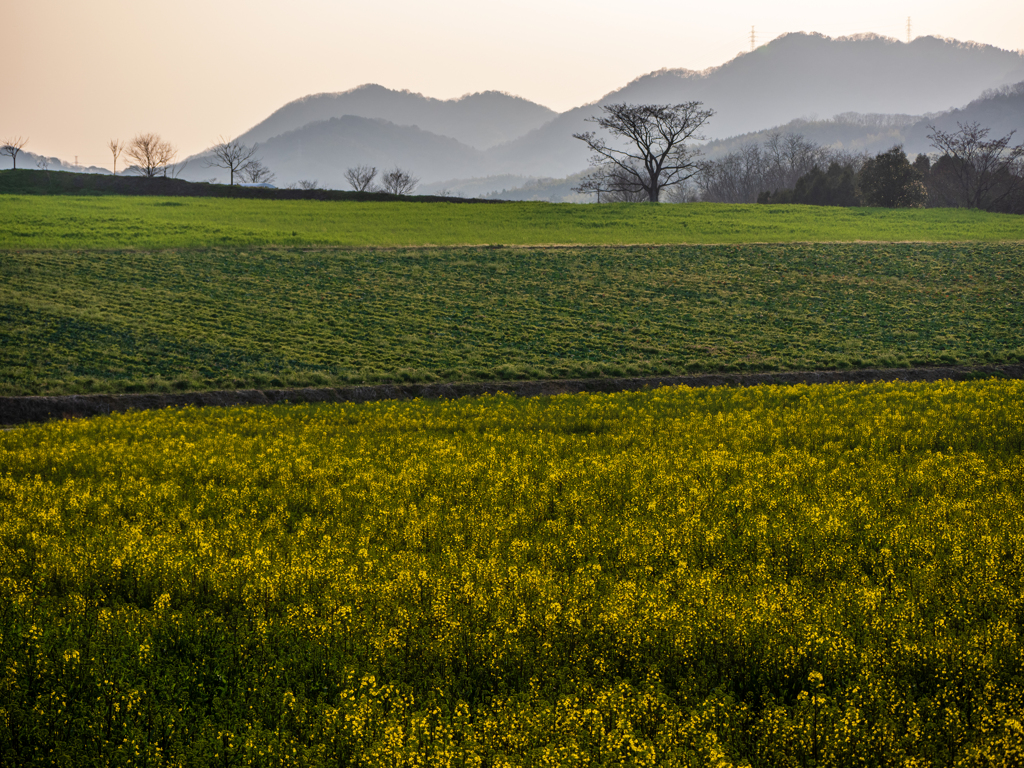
(255, 172)
(361, 177)
(116, 148)
(613, 185)
(232, 156)
(12, 147)
(398, 182)
(975, 172)
(174, 170)
(151, 154)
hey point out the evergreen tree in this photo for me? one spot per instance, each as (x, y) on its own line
(888, 180)
(833, 187)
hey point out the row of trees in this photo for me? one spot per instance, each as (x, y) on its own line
(970, 171)
(887, 180)
(152, 156)
(647, 154)
(394, 182)
(776, 164)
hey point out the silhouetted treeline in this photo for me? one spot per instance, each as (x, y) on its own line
(969, 171)
(775, 165)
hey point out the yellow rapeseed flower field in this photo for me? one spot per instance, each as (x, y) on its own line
(772, 576)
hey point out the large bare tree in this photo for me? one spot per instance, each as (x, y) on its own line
(361, 177)
(232, 156)
(649, 144)
(975, 171)
(398, 182)
(12, 147)
(151, 154)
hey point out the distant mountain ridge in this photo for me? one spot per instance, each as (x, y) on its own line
(797, 76)
(1000, 110)
(794, 76)
(325, 149)
(479, 120)
(810, 75)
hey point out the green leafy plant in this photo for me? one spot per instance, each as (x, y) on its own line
(266, 317)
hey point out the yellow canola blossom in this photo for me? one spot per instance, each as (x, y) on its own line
(772, 576)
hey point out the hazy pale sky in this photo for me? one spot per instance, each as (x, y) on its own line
(80, 72)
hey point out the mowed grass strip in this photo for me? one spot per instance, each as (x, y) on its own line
(224, 318)
(40, 222)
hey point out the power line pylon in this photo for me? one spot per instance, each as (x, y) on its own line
(752, 39)
(908, 29)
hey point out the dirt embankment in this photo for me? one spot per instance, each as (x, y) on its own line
(23, 410)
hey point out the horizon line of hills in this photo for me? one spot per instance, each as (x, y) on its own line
(873, 92)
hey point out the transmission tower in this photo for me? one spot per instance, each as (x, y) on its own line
(752, 39)
(908, 29)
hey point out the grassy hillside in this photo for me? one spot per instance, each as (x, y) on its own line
(781, 576)
(68, 222)
(77, 321)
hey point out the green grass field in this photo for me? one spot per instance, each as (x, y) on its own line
(83, 223)
(76, 321)
(767, 577)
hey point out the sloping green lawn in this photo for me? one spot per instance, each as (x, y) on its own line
(65, 222)
(222, 318)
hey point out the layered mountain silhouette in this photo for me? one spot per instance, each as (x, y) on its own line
(801, 77)
(795, 76)
(479, 120)
(809, 75)
(323, 150)
(1000, 110)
